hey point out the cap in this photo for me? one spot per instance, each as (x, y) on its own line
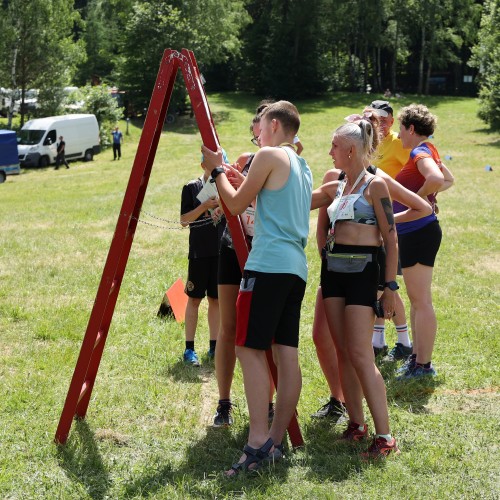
(382, 108)
(225, 159)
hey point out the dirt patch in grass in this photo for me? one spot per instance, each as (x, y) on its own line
(485, 401)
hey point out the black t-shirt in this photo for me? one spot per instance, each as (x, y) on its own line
(204, 239)
(60, 147)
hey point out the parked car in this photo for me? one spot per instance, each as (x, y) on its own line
(9, 162)
(37, 141)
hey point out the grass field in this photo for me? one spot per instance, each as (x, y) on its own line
(147, 431)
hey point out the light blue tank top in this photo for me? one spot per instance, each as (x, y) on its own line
(282, 223)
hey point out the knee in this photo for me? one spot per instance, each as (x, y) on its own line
(194, 302)
(360, 358)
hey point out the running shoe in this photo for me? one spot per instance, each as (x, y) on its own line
(417, 371)
(222, 417)
(211, 354)
(408, 364)
(191, 358)
(333, 409)
(354, 433)
(398, 352)
(381, 449)
(380, 351)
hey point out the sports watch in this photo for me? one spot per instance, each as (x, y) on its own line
(391, 285)
(215, 172)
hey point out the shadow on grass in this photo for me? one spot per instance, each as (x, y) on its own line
(181, 372)
(411, 395)
(82, 462)
(327, 457)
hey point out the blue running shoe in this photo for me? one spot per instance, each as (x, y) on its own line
(418, 371)
(191, 358)
(408, 364)
(211, 354)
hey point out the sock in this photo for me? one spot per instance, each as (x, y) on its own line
(224, 401)
(387, 437)
(403, 338)
(378, 339)
(212, 344)
(361, 427)
(190, 344)
(426, 365)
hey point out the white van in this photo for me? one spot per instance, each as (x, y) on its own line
(37, 140)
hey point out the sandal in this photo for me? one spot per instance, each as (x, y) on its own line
(256, 457)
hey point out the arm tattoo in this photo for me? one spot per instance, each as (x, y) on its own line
(387, 206)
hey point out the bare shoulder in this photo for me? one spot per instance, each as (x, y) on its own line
(378, 187)
(331, 175)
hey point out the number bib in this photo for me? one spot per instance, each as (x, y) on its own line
(248, 221)
(343, 208)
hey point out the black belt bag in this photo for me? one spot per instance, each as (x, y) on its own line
(348, 262)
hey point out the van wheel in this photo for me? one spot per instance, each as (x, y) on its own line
(3, 176)
(89, 155)
(43, 162)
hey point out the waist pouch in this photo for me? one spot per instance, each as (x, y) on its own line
(348, 262)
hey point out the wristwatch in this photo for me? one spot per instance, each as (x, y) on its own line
(391, 285)
(215, 172)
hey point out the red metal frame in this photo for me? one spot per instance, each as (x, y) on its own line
(87, 365)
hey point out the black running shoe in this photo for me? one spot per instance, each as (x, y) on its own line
(399, 351)
(222, 417)
(333, 409)
(380, 351)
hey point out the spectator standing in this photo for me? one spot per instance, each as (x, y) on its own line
(61, 153)
(117, 143)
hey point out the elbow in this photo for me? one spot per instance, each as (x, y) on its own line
(427, 210)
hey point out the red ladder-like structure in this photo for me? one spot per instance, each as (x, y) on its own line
(82, 383)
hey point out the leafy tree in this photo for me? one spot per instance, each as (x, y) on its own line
(37, 45)
(103, 34)
(100, 102)
(486, 57)
(284, 49)
(210, 28)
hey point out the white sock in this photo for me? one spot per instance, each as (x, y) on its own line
(403, 338)
(387, 437)
(378, 339)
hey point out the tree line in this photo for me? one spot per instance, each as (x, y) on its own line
(275, 48)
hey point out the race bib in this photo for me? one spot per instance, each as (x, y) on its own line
(342, 208)
(248, 220)
(346, 207)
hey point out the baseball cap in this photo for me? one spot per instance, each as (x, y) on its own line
(225, 159)
(382, 108)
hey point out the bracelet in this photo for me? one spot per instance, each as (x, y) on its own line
(215, 172)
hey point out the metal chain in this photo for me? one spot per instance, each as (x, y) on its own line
(196, 223)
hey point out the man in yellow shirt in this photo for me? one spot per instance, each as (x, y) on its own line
(390, 155)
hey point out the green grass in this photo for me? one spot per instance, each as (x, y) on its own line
(146, 433)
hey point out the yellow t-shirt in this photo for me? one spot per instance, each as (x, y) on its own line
(390, 156)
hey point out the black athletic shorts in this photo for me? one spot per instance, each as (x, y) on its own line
(357, 288)
(202, 278)
(420, 246)
(268, 309)
(229, 268)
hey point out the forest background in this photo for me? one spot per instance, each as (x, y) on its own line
(286, 49)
